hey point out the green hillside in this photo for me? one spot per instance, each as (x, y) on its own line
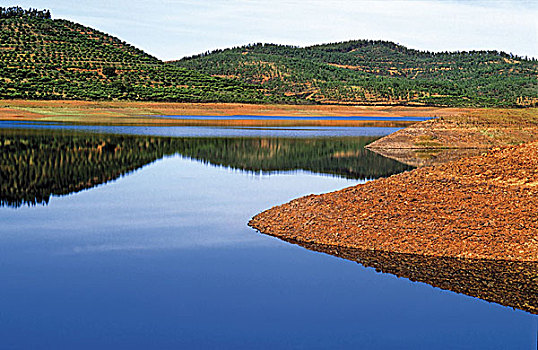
(377, 72)
(42, 58)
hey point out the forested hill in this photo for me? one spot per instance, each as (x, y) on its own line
(377, 72)
(45, 58)
(42, 58)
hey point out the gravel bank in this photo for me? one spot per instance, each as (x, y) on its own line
(483, 207)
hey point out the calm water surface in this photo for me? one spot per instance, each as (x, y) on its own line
(162, 257)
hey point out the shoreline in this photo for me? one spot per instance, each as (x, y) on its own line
(147, 113)
(476, 129)
(449, 138)
(432, 190)
(479, 207)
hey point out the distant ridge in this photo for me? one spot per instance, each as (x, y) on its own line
(378, 72)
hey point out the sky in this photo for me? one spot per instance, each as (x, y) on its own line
(172, 29)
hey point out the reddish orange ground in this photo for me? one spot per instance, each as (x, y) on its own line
(133, 112)
(483, 128)
(483, 207)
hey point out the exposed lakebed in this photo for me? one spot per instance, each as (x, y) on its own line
(275, 117)
(136, 237)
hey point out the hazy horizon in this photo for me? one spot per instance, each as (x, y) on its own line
(172, 29)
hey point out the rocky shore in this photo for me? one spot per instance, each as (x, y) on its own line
(482, 207)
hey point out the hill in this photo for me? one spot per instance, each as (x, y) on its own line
(44, 58)
(377, 72)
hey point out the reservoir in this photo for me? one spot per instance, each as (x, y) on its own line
(137, 237)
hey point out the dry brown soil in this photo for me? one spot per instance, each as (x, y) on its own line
(482, 128)
(119, 112)
(483, 207)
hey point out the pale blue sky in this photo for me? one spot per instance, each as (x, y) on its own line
(171, 29)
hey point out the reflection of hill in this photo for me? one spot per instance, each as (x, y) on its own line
(35, 164)
(427, 157)
(340, 156)
(508, 283)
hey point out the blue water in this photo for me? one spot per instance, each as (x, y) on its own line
(163, 259)
(213, 131)
(275, 117)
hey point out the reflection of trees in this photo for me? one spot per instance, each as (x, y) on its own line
(340, 156)
(508, 283)
(37, 164)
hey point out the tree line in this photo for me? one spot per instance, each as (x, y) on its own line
(19, 12)
(378, 72)
(59, 59)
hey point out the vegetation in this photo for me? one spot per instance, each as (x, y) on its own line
(37, 164)
(42, 58)
(19, 12)
(378, 72)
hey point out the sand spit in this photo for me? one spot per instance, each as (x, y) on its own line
(426, 157)
(483, 207)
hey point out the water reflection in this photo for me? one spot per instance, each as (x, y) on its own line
(427, 157)
(509, 283)
(35, 164)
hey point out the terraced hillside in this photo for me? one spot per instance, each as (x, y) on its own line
(377, 72)
(42, 58)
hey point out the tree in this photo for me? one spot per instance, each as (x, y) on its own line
(109, 72)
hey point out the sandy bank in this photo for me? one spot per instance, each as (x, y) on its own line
(480, 128)
(480, 207)
(452, 137)
(144, 113)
